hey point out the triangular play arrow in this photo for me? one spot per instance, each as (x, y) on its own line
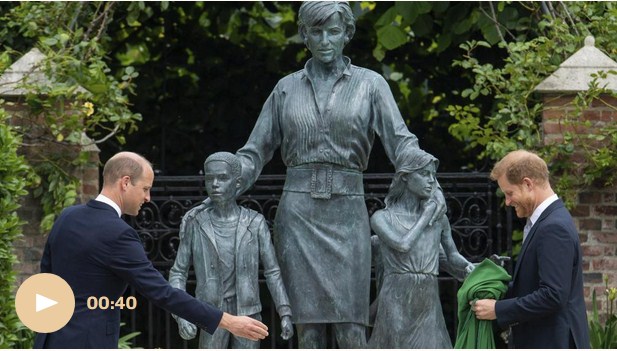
(43, 302)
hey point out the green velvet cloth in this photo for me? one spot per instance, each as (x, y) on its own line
(486, 281)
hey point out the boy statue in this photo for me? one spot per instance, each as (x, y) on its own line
(225, 244)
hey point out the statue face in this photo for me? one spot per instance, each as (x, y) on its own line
(326, 41)
(221, 185)
(422, 182)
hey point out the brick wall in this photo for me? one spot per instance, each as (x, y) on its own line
(595, 213)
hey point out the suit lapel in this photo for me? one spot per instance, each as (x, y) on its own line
(552, 207)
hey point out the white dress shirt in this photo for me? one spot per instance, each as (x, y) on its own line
(110, 202)
(537, 213)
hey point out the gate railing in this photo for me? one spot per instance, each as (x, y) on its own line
(480, 227)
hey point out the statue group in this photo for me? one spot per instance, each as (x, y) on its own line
(317, 265)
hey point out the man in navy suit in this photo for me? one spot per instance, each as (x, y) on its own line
(99, 254)
(544, 305)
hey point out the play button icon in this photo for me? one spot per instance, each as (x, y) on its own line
(44, 303)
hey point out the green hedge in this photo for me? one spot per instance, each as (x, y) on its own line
(14, 177)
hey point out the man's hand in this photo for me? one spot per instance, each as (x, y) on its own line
(187, 329)
(484, 309)
(287, 328)
(243, 326)
(440, 201)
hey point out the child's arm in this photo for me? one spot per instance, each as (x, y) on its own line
(454, 259)
(382, 225)
(274, 281)
(180, 270)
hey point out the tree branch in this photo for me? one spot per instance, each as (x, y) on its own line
(498, 26)
(572, 23)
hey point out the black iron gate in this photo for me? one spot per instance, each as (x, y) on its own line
(480, 227)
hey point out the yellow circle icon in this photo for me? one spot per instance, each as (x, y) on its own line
(44, 303)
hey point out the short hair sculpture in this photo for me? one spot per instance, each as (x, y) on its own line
(315, 13)
(232, 160)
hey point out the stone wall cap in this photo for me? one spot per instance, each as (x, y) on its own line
(25, 70)
(574, 74)
(88, 144)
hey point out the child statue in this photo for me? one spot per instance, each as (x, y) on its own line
(409, 311)
(225, 244)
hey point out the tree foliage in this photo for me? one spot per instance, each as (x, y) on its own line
(513, 120)
(84, 99)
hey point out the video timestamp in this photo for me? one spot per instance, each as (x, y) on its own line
(103, 303)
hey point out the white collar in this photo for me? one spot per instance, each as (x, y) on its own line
(538, 211)
(104, 199)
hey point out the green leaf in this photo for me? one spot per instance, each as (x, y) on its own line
(379, 53)
(387, 18)
(410, 10)
(443, 42)
(50, 41)
(423, 25)
(391, 37)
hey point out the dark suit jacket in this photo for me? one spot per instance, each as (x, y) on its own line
(99, 254)
(544, 304)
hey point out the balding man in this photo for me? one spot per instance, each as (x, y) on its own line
(544, 305)
(99, 255)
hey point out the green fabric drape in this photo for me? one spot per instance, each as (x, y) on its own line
(486, 281)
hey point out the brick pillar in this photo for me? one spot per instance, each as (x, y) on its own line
(29, 248)
(595, 213)
(595, 210)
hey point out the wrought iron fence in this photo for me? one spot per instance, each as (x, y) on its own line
(480, 227)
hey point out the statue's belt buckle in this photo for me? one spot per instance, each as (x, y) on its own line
(321, 182)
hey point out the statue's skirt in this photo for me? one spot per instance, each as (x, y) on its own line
(323, 248)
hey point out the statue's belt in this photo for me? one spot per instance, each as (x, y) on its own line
(323, 180)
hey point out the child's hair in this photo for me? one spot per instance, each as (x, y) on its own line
(232, 160)
(409, 160)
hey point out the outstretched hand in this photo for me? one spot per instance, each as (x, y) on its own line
(243, 326)
(287, 328)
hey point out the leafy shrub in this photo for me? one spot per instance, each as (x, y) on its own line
(15, 175)
(604, 336)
